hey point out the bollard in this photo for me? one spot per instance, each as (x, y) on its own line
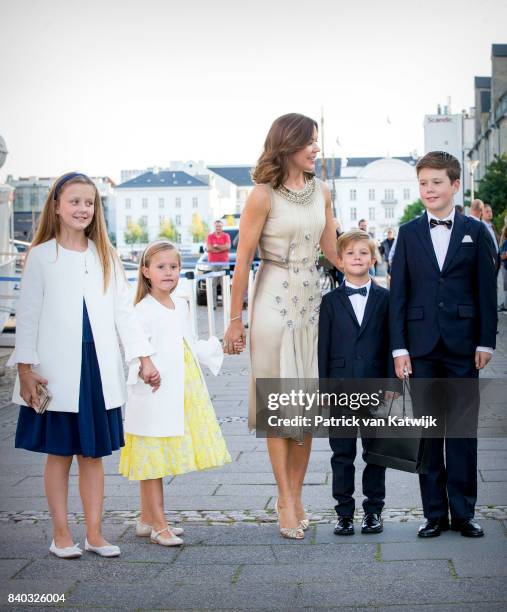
(209, 300)
(193, 301)
(226, 297)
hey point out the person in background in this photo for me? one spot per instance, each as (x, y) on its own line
(459, 209)
(337, 273)
(503, 259)
(476, 208)
(487, 219)
(218, 247)
(385, 248)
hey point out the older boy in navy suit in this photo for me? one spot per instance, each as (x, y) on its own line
(443, 325)
(354, 343)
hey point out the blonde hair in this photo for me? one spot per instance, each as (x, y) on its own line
(143, 283)
(355, 236)
(48, 226)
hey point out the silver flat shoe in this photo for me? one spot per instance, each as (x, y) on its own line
(143, 530)
(109, 550)
(156, 537)
(69, 552)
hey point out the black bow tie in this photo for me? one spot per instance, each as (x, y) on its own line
(434, 223)
(362, 291)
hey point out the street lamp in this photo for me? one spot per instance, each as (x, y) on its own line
(472, 165)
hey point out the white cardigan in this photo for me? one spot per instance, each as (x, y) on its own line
(161, 414)
(49, 323)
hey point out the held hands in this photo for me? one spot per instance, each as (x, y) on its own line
(28, 381)
(402, 366)
(234, 341)
(482, 358)
(149, 373)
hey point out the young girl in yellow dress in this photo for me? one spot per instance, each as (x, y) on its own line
(174, 429)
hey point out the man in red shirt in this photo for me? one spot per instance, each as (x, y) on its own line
(218, 247)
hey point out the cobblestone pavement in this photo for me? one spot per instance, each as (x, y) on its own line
(233, 557)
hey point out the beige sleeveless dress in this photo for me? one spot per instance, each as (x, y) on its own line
(284, 313)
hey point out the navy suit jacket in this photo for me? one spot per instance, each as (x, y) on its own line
(457, 304)
(347, 349)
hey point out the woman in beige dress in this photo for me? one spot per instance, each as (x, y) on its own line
(288, 216)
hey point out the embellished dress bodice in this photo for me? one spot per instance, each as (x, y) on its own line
(286, 298)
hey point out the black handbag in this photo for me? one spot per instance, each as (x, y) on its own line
(404, 449)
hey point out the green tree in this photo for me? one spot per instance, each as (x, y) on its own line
(136, 233)
(412, 211)
(493, 188)
(168, 230)
(112, 238)
(199, 228)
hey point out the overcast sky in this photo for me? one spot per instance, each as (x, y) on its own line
(102, 85)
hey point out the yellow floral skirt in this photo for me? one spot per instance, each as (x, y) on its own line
(200, 448)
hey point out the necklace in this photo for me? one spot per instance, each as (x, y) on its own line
(302, 197)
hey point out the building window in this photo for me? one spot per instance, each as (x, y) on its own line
(389, 195)
(161, 203)
(178, 218)
(161, 219)
(143, 221)
(145, 202)
(406, 194)
(353, 214)
(178, 202)
(389, 211)
(371, 213)
(371, 194)
(353, 195)
(195, 202)
(128, 220)
(128, 204)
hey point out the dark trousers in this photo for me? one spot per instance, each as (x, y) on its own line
(342, 464)
(451, 481)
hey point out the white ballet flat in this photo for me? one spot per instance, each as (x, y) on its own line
(110, 550)
(156, 537)
(69, 552)
(144, 530)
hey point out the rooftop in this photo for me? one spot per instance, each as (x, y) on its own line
(239, 175)
(164, 178)
(499, 50)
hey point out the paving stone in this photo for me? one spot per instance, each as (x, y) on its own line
(334, 573)
(11, 567)
(392, 591)
(325, 553)
(226, 555)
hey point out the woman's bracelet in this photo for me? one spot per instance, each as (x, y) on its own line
(234, 318)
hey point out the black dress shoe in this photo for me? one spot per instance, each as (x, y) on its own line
(372, 523)
(468, 527)
(432, 528)
(344, 526)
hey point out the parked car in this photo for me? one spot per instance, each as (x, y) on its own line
(203, 266)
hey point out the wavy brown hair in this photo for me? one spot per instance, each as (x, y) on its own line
(49, 224)
(288, 134)
(143, 283)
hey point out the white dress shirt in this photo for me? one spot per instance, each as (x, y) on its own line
(492, 234)
(440, 238)
(358, 301)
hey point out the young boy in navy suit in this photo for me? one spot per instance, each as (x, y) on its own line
(443, 325)
(354, 343)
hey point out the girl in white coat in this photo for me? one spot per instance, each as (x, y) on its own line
(174, 430)
(74, 298)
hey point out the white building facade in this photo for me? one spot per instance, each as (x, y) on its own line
(375, 189)
(154, 198)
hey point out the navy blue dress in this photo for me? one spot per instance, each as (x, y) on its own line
(91, 432)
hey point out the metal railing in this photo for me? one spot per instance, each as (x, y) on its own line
(191, 296)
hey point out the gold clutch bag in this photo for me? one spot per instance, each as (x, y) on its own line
(44, 399)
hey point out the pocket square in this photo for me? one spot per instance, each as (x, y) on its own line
(467, 238)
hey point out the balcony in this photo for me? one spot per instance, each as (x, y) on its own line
(389, 201)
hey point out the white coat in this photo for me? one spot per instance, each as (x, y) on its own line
(49, 323)
(161, 414)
